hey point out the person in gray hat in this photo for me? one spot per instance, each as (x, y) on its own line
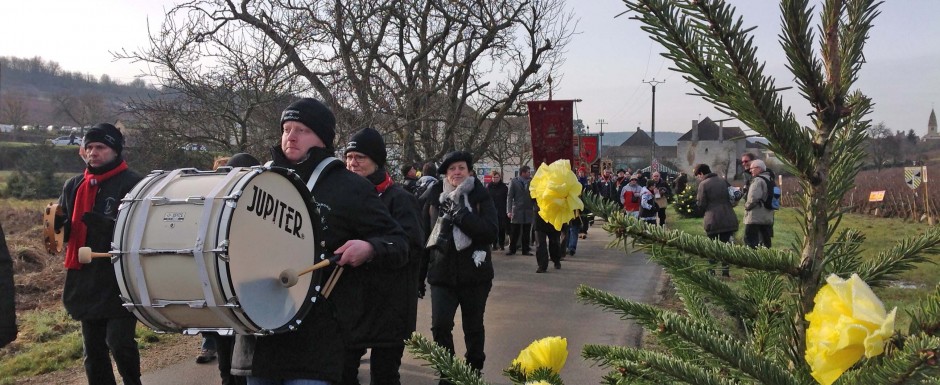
(354, 224)
(91, 294)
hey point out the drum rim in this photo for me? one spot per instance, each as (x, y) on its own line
(313, 292)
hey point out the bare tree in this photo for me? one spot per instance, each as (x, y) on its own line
(512, 144)
(14, 110)
(433, 75)
(85, 109)
(882, 145)
(225, 89)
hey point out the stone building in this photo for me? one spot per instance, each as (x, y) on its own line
(712, 144)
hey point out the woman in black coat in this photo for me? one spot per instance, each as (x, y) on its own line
(499, 191)
(460, 271)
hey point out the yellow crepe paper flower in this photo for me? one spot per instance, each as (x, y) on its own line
(548, 352)
(541, 382)
(556, 190)
(848, 322)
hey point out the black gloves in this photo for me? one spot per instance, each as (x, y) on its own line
(100, 229)
(455, 209)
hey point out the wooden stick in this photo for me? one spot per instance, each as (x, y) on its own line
(85, 255)
(289, 277)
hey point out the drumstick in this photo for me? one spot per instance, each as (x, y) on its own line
(85, 255)
(288, 278)
(331, 282)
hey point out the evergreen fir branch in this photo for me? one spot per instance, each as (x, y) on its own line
(889, 264)
(639, 361)
(709, 285)
(450, 367)
(693, 301)
(843, 254)
(732, 351)
(858, 21)
(925, 316)
(913, 363)
(696, 36)
(772, 260)
(797, 42)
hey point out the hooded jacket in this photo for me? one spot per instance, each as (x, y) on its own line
(755, 212)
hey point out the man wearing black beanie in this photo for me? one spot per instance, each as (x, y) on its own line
(391, 303)
(91, 294)
(354, 224)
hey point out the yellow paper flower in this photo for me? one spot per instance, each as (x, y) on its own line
(847, 322)
(556, 190)
(548, 352)
(540, 382)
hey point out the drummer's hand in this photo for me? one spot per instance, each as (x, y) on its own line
(355, 252)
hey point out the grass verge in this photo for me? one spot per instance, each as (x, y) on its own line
(49, 340)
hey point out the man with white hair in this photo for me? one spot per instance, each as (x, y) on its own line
(758, 216)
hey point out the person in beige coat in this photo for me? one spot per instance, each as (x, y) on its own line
(758, 218)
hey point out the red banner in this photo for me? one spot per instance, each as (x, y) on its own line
(587, 149)
(551, 126)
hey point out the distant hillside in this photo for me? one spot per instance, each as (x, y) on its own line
(37, 84)
(662, 138)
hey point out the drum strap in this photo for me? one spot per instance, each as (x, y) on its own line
(315, 177)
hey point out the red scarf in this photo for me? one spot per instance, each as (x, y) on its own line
(84, 202)
(381, 187)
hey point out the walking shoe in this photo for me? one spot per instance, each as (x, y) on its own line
(526, 253)
(205, 356)
(571, 252)
(510, 253)
(540, 270)
(557, 265)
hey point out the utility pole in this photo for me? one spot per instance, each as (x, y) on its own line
(600, 142)
(653, 83)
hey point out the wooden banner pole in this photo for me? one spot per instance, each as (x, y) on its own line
(926, 196)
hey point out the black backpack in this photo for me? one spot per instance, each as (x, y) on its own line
(772, 200)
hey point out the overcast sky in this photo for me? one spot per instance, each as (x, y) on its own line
(607, 62)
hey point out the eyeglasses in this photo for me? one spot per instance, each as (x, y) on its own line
(356, 158)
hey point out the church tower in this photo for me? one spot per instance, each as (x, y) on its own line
(932, 127)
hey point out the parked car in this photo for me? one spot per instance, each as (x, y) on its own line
(193, 147)
(65, 141)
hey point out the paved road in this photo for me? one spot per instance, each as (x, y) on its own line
(523, 306)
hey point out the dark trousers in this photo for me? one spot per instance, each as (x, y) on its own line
(726, 238)
(661, 213)
(520, 230)
(383, 365)
(224, 346)
(501, 232)
(758, 235)
(114, 336)
(472, 302)
(548, 245)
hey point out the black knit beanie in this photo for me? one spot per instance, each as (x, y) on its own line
(106, 134)
(242, 160)
(314, 114)
(369, 142)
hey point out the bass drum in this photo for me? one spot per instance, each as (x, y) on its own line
(202, 251)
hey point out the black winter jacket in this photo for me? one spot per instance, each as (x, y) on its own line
(92, 292)
(348, 209)
(449, 267)
(7, 295)
(391, 306)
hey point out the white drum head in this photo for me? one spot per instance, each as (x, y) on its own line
(272, 228)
